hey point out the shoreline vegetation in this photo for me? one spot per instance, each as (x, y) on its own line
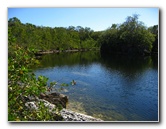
(26, 41)
(42, 52)
(51, 100)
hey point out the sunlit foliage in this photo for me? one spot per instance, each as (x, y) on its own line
(22, 83)
(131, 37)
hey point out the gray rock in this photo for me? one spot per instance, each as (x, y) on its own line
(67, 115)
(31, 105)
(34, 105)
(74, 116)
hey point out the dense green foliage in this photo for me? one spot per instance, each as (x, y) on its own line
(22, 83)
(130, 38)
(154, 30)
(47, 38)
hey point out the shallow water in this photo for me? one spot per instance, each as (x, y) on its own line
(115, 88)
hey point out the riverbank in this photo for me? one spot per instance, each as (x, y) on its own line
(41, 52)
(53, 100)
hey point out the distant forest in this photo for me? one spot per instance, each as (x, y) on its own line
(132, 36)
(47, 38)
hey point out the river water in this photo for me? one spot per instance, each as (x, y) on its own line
(115, 88)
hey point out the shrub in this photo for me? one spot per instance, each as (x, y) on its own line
(23, 83)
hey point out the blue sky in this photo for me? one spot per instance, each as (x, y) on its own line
(95, 18)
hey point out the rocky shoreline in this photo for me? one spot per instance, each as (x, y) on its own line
(51, 101)
(75, 116)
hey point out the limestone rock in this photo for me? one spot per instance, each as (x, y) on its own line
(74, 116)
(33, 105)
(55, 98)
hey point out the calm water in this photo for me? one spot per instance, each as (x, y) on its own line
(113, 89)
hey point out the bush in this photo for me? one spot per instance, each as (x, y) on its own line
(23, 83)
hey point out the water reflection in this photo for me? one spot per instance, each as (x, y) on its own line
(128, 64)
(114, 88)
(69, 59)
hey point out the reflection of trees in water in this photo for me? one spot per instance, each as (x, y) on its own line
(69, 59)
(129, 65)
(155, 61)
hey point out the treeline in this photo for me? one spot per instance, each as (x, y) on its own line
(47, 38)
(130, 38)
